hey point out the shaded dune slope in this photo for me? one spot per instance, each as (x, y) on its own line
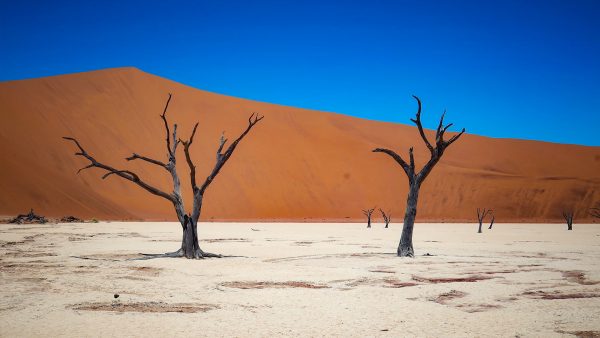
(297, 164)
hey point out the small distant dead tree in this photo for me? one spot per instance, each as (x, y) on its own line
(568, 216)
(71, 219)
(595, 212)
(415, 179)
(481, 214)
(492, 222)
(190, 247)
(30, 218)
(368, 213)
(386, 217)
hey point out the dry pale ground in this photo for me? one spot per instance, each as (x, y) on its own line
(300, 280)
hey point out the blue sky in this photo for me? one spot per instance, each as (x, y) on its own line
(515, 69)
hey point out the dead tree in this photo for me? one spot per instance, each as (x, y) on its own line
(71, 219)
(386, 217)
(190, 247)
(368, 213)
(415, 179)
(492, 222)
(568, 216)
(481, 214)
(595, 212)
(30, 218)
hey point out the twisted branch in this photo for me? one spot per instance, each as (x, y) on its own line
(223, 157)
(163, 117)
(125, 174)
(186, 150)
(436, 152)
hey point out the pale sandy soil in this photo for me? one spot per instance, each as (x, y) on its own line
(300, 280)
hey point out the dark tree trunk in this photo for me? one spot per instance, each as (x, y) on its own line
(491, 223)
(368, 213)
(569, 219)
(190, 239)
(481, 216)
(386, 217)
(190, 246)
(405, 248)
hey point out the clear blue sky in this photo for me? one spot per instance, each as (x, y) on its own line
(519, 69)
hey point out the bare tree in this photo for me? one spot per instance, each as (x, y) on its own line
(386, 217)
(415, 179)
(568, 216)
(190, 247)
(492, 222)
(368, 213)
(595, 212)
(481, 214)
(30, 218)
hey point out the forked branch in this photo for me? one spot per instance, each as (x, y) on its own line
(368, 213)
(125, 174)
(397, 158)
(417, 121)
(222, 157)
(186, 150)
(481, 214)
(387, 217)
(436, 152)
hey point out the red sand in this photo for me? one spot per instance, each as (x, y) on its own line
(297, 164)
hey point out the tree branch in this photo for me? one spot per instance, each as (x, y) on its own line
(125, 174)
(164, 118)
(147, 159)
(396, 157)
(176, 141)
(439, 128)
(412, 160)
(223, 157)
(222, 142)
(186, 150)
(454, 138)
(481, 214)
(417, 121)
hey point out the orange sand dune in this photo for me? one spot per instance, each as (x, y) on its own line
(297, 164)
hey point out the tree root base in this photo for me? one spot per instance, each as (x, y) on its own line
(198, 254)
(406, 253)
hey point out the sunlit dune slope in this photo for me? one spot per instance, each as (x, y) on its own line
(297, 164)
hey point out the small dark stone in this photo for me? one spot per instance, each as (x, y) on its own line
(116, 295)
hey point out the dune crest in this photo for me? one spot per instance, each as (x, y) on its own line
(300, 164)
